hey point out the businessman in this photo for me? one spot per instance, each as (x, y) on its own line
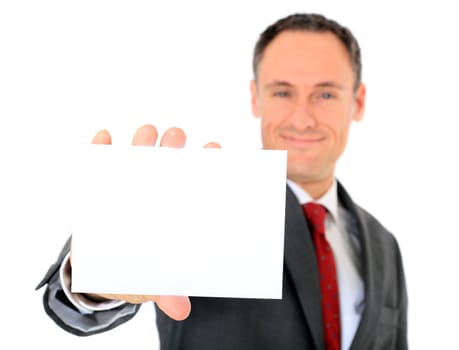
(343, 281)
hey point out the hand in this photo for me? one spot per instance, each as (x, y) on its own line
(176, 307)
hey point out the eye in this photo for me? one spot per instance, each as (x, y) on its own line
(326, 95)
(282, 93)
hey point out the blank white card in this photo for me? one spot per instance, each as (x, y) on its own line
(160, 221)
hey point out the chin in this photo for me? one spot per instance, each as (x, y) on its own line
(302, 160)
(306, 168)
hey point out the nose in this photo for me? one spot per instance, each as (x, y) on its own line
(303, 116)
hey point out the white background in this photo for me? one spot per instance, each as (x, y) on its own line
(70, 68)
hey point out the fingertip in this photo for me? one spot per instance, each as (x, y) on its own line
(103, 137)
(212, 145)
(146, 135)
(176, 307)
(174, 138)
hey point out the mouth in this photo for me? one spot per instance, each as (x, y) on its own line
(303, 142)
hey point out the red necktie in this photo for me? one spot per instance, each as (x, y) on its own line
(315, 213)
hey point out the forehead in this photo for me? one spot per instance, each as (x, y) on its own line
(306, 57)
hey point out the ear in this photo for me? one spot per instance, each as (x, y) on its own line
(359, 103)
(254, 99)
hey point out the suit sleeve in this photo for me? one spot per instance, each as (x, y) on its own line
(67, 316)
(402, 339)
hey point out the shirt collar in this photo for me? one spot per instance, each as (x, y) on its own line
(329, 200)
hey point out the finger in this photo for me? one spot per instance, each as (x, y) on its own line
(145, 136)
(174, 138)
(102, 138)
(212, 145)
(129, 298)
(176, 307)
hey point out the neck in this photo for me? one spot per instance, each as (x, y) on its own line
(315, 189)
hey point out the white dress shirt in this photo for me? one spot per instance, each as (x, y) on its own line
(346, 253)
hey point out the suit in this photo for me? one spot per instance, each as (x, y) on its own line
(295, 321)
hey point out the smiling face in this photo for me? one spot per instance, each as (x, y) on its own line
(305, 97)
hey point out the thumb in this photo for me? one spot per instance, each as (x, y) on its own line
(176, 307)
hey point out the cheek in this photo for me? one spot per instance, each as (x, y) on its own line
(270, 132)
(266, 132)
(341, 137)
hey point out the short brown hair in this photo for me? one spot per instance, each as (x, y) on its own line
(314, 23)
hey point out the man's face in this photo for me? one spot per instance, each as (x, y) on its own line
(305, 98)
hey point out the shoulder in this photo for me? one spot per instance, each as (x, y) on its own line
(371, 224)
(363, 222)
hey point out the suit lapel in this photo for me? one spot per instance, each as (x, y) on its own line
(371, 253)
(301, 263)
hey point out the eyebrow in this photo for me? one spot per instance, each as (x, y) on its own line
(331, 84)
(277, 83)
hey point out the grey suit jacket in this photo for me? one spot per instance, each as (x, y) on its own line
(295, 322)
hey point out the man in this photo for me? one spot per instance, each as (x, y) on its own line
(306, 90)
